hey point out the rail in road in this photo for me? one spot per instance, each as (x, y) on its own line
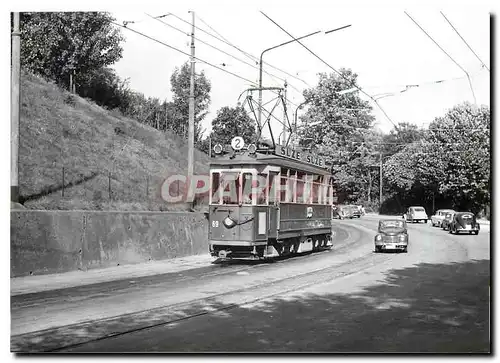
(170, 301)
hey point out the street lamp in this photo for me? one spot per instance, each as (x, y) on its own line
(277, 46)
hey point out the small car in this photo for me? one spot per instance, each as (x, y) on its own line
(416, 214)
(355, 211)
(445, 223)
(438, 217)
(464, 222)
(392, 235)
(344, 212)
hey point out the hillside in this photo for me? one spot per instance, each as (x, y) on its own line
(107, 161)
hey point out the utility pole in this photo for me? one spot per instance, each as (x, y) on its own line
(284, 116)
(14, 112)
(381, 187)
(191, 118)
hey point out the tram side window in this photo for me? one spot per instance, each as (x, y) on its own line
(301, 192)
(261, 188)
(315, 191)
(284, 185)
(325, 193)
(247, 189)
(271, 188)
(329, 197)
(215, 188)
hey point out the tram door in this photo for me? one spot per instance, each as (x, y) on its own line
(273, 210)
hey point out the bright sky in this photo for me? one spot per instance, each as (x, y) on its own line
(382, 45)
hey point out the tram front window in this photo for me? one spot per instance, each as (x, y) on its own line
(230, 187)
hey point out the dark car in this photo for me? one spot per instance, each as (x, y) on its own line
(392, 235)
(445, 223)
(355, 211)
(464, 222)
(343, 212)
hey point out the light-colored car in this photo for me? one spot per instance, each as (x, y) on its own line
(416, 214)
(437, 218)
(392, 235)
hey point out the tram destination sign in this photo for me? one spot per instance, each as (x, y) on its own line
(300, 155)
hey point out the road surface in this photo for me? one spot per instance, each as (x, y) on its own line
(435, 298)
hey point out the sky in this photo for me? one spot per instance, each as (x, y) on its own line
(382, 45)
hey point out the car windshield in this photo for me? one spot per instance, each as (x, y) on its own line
(419, 209)
(391, 224)
(466, 216)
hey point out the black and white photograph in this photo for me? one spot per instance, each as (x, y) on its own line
(249, 177)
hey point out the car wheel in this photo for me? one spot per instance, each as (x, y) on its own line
(405, 250)
(425, 221)
(476, 233)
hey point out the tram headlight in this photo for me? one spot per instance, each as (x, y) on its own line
(228, 222)
(218, 149)
(252, 149)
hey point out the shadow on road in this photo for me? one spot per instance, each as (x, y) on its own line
(425, 308)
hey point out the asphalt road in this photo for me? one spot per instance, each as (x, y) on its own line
(435, 298)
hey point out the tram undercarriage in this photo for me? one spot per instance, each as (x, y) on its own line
(274, 248)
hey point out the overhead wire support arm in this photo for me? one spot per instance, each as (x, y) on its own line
(449, 56)
(333, 69)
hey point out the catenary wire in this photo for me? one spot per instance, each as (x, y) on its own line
(449, 56)
(340, 74)
(180, 51)
(449, 22)
(242, 51)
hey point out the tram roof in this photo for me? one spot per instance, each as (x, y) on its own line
(266, 159)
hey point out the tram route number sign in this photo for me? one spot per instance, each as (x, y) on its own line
(299, 155)
(237, 143)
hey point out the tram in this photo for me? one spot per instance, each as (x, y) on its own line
(268, 202)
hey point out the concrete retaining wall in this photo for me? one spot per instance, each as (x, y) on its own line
(45, 242)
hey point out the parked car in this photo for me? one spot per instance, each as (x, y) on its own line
(438, 217)
(445, 223)
(416, 214)
(464, 222)
(392, 235)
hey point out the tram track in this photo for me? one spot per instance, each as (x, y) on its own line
(75, 335)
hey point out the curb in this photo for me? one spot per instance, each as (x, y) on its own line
(39, 283)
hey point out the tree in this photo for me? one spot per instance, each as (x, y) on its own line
(333, 118)
(57, 44)
(231, 122)
(452, 162)
(180, 85)
(338, 126)
(405, 133)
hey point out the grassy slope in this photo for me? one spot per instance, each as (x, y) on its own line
(57, 132)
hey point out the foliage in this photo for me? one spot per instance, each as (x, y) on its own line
(57, 44)
(105, 88)
(180, 85)
(231, 122)
(339, 126)
(452, 160)
(405, 133)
